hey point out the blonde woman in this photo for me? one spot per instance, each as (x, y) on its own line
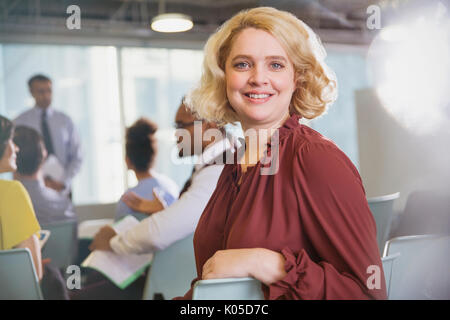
(305, 231)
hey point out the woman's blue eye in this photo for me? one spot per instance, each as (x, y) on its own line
(241, 65)
(276, 65)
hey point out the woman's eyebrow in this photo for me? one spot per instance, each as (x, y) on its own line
(243, 56)
(276, 58)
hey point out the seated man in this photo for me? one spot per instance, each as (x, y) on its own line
(176, 222)
(165, 226)
(49, 205)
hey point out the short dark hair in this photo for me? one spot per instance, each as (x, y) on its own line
(6, 132)
(38, 77)
(31, 149)
(140, 145)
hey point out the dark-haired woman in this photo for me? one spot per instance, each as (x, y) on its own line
(18, 224)
(140, 148)
(19, 227)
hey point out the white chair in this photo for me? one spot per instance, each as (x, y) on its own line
(228, 289)
(171, 271)
(382, 209)
(421, 270)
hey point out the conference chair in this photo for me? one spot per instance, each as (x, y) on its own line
(228, 289)
(250, 288)
(171, 271)
(421, 270)
(62, 245)
(382, 209)
(18, 278)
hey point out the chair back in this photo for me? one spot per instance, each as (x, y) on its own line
(171, 271)
(388, 265)
(228, 289)
(382, 209)
(421, 270)
(18, 278)
(62, 245)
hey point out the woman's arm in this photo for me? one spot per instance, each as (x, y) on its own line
(262, 264)
(32, 243)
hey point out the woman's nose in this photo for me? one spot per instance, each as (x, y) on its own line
(258, 76)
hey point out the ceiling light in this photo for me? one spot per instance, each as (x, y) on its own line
(172, 22)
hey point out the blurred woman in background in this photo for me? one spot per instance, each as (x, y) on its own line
(140, 148)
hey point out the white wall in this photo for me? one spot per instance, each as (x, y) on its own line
(392, 158)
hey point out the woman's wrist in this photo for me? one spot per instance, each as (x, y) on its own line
(267, 266)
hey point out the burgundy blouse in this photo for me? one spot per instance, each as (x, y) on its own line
(313, 211)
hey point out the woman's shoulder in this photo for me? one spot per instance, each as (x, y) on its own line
(304, 138)
(309, 146)
(10, 188)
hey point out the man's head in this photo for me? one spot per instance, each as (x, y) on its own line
(41, 89)
(32, 152)
(184, 119)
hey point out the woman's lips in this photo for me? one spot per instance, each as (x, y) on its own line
(257, 97)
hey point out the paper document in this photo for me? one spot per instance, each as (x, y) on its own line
(89, 228)
(53, 168)
(122, 270)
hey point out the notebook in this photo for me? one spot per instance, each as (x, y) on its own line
(122, 270)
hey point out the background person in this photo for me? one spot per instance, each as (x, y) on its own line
(176, 222)
(140, 149)
(57, 129)
(162, 228)
(50, 205)
(18, 224)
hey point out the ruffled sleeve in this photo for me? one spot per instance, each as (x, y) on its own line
(338, 223)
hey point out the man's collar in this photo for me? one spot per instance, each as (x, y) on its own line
(212, 152)
(49, 109)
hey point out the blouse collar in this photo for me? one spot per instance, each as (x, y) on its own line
(291, 123)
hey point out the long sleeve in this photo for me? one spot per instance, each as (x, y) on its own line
(340, 227)
(176, 222)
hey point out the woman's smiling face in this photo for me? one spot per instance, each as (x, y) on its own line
(8, 159)
(260, 79)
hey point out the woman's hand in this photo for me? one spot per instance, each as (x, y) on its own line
(102, 238)
(140, 204)
(264, 265)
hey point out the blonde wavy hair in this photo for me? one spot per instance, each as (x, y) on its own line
(316, 83)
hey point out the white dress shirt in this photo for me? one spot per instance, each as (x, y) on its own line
(176, 222)
(65, 139)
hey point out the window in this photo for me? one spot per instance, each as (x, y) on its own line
(86, 87)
